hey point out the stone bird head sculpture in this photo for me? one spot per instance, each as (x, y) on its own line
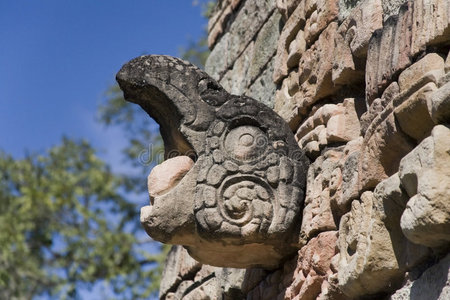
(233, 194)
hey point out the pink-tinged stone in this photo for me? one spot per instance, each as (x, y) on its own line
(166, 175)
(389, 53)
(315, 69)
(368, 263)
(378, 105)
(286, 7)
(425, 175)
(410, 76)
(367, 17)
(313, 267)
(431, 24)
(413, 115)
(382, 150)
(288, 34)
(353, 40)
(218, 21)
(326, 11)
(344, 127)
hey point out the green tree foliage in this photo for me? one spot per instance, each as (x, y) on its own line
(67, 221)
(144, 147)
(65, 225)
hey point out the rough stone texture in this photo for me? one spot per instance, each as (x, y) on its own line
(413, 115)
(361, 83)
(310, 278)
(430, 63)
(418, 24)
(318, 214)
(229, 209)
(391, 7)
(179, 265)
(384, 146)
(248, 21)
(219, 20)
(324, 12)
(265, 46)
(315, 68)
(425, 175)
(289, 34)
(353, 40)
(431, 24)
(434, 283)
(286, 7)
(389, 52)
(235, 80)
(367, 260)
(263, 88)
(269, 285)
(439, 104)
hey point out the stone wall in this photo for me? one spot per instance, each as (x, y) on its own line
(365, 87)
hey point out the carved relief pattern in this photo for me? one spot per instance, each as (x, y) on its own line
(243, 163)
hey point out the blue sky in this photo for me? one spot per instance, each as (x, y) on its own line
(58, 57)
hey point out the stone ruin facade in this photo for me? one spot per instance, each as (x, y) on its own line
(348, 194)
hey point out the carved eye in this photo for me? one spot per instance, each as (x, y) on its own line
(246, 143)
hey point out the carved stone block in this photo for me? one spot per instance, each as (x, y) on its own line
(239, 203)
(425, 175)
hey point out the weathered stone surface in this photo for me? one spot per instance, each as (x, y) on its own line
(348, 190)
(263, 89)
(403, 37)
(439, 104)
(320, 117)
(431, 24)
(390, 202)
(325, 11)
(265, 46)
(271, 285)
(296, 49)
(367, 260)
(345, 7)
(313, 268)
(224, 216)
(317, 214)
(205, 291)
(425, 175)
(236, 80)
(315, 69)
(353, 40)
(384, 145)
(288, 34)
(391, 7)
(286, 7)
(430, 63)
(434, 283)
(286, 106)
(248, 21)
(178, 265)
(413, 115)
(218, 21)
(344, 127)
(389, 52)
(378, 106)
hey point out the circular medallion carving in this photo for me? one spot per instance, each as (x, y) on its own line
(245, 143)
(245, 201)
